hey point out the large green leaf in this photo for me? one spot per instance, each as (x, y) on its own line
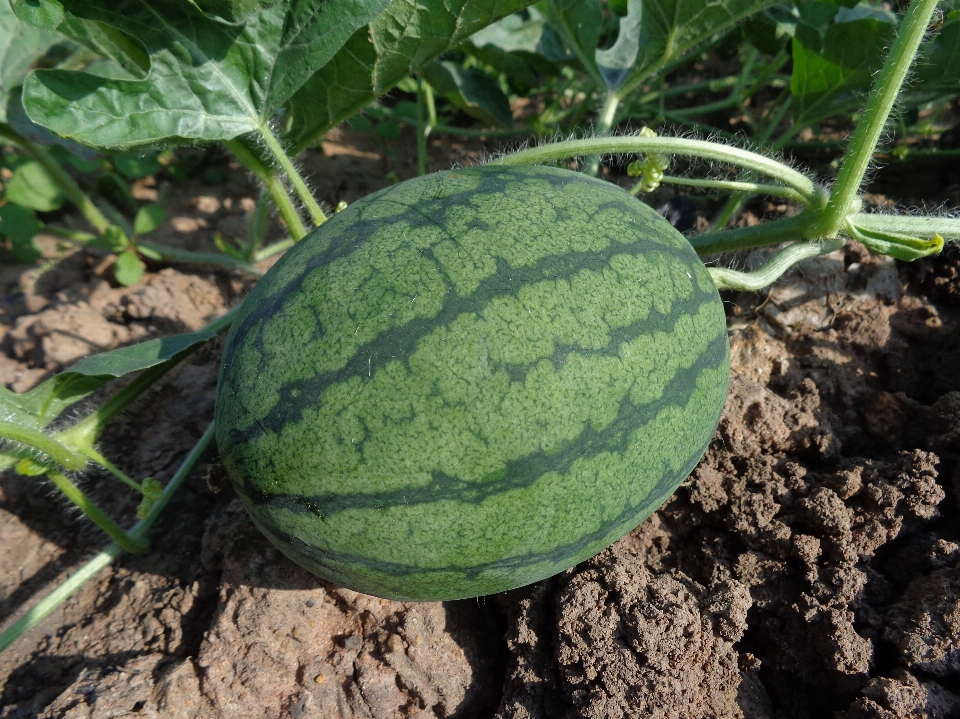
(407, 35)
(669, 29)
(830, 66)
(578, 23)
(939, 66)
(233, 10)
(20, 46)
(208, 80)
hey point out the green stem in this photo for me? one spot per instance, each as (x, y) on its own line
(767, 233)
(63, 455)
(59, 595)
(775, 267)
(73, 493)
(278, 193)
(604, 124)
(299, 186)
(274, 249)
(736, 186)
(924, 227)
(66, 184)
(874, 118)
(668, 146)
(172, 254)
(93, 454)
(423, 129)
(92, 568)
(85, 432)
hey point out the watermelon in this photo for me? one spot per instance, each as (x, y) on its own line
(470, 381)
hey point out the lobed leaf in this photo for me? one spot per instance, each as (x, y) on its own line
(402, 39)
(670, 29)
(830, 67)
(208, 80)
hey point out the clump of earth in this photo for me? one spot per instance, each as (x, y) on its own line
(809, 567)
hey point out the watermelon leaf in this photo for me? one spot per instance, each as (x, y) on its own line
(208, 80)
(42, 14)
(41, 405)
(472, 90)
(829, 66)
(128, 269)
(669, 29)
(378, 56)
(20, 46)
(32, 187)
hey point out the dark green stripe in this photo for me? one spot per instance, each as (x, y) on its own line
(425, 212)
(556, 556)
(398, 343)
(520, 473)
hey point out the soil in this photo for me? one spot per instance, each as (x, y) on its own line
(809, 567)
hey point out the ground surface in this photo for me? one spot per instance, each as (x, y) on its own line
(810, 567)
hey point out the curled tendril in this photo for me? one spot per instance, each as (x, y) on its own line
(649, 168)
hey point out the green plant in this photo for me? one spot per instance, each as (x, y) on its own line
(375, 45)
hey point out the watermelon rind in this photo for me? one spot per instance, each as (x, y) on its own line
(471, 381)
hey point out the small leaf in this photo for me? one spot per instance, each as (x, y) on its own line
(113, 239)
(128, 268)
(472, 90)
(360, 124)
(148, 219)
(900, 247)
(134, 166)
(32, 187)
(388, 130)
(42, 14)
(152, 492)
(227, 248)
(939, 66)
(28, 468)
(20, 225)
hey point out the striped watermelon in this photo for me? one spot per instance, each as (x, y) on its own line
(471, 381)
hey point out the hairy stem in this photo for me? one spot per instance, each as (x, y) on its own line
(604, 124)
(924, 227)
(92, 568)
(775, 267)
(172, 254)
(668, 146)
(35, 439)
(766, 233)
(278, 193)
(879, 104)
(75, 495)
(737, 186)
(299, 186)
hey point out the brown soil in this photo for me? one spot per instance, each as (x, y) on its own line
(810, 567)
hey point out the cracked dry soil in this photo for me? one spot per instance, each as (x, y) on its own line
(810, 567)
